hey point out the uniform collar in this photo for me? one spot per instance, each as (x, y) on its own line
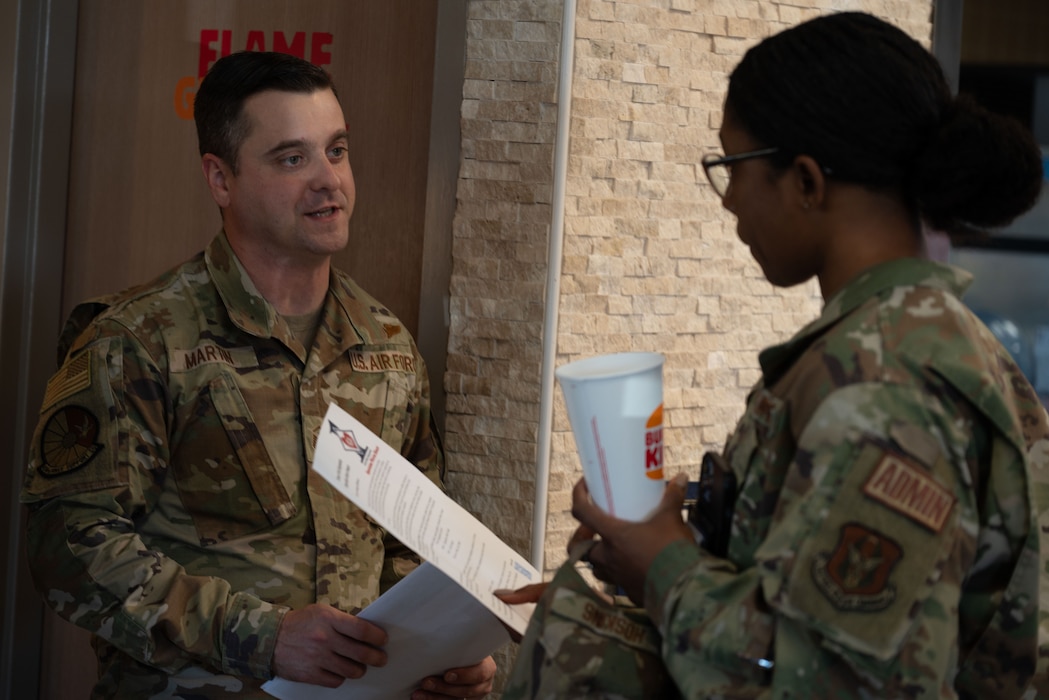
(347, 316)
(872, 283)
(247, 308)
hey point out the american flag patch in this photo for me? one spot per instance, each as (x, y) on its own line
(73, 377)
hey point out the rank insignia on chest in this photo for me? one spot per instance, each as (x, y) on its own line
(855, 576)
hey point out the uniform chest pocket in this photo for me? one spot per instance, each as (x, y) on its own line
(380, 402)
(396, 416)
(226, 477)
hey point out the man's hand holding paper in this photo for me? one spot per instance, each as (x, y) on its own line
(444, 615)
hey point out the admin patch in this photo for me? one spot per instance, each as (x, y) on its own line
(68, 441)
(911, 491)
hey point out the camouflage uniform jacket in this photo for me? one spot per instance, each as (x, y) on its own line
(171, 510)
(891, 534)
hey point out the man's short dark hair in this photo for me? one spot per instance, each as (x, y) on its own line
(219, 104)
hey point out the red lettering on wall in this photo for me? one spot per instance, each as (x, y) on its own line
(296, 48)
(318, 56)
(216, 43)
(227, 39)
(256, 41)
(207, 55)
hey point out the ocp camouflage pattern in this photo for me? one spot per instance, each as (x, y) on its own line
(890, 537)
(584, 645)
(171, 510)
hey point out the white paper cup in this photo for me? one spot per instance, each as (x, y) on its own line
(615, 407)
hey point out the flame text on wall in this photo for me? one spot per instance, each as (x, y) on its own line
(216, 43)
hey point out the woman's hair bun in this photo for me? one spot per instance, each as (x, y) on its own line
(872, 105)
(978, 170)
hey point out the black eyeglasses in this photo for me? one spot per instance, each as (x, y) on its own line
(716, 166)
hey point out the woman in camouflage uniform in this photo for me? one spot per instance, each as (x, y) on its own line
(889, 536)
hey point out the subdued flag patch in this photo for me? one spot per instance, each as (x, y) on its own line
(73, 377)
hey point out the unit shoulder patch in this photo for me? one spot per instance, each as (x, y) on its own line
(68, 441)
(855, 576)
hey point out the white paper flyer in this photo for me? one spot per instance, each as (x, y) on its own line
(460, 620)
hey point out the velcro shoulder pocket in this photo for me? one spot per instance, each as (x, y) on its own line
(864, 575)
(76, 444)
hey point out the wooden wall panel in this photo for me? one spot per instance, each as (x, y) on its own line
(1012, 32)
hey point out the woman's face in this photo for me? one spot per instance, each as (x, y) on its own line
(768, 205)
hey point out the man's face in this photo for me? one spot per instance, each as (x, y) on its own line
(293, 192)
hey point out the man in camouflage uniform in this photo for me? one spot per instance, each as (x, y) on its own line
(171, 508)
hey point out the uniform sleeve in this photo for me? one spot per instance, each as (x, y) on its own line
(855, 587)
(717, 630)
(423, 446)
(99, 453)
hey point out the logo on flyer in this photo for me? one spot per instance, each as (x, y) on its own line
(349, 441)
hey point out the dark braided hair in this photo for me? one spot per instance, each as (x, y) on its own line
(873, 108)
